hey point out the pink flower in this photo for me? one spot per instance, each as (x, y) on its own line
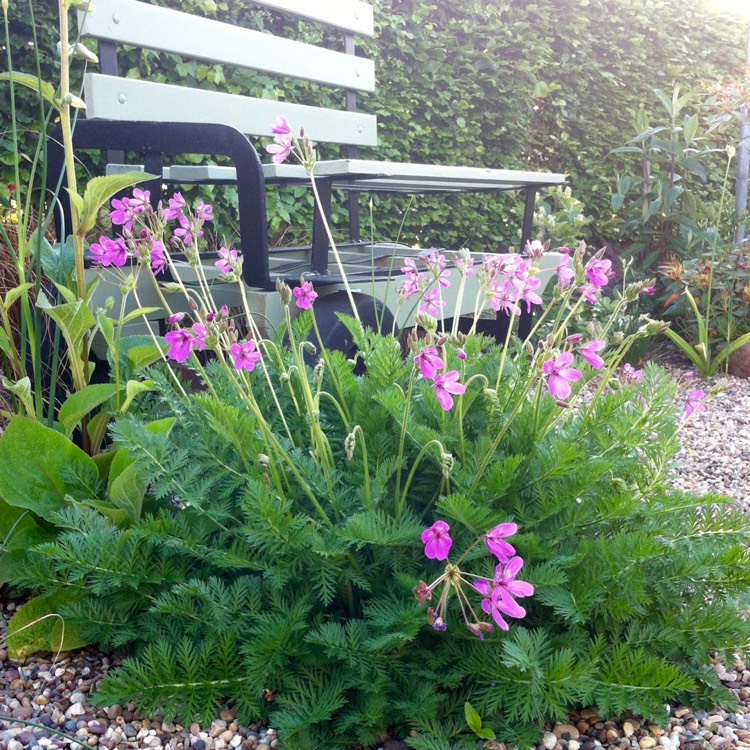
(649, 290)
(694, 403)
(528, 294)
(177, 317)
(505, 297)
(407, 288)
(180, 344)
(305, 296)
(565, 275)
(187, 230)
(199, 332)
(560, 374)
(597, 272)
(445, 385)
(158, 257)
(204, 211)
(490, 602)
(588, 352)
(535, 249)
(245, 356)
(227, 260)
(507, 587)
(280, 148)
(281, 126)
(176, 205)
(410, 270)
(122, 214)
(589, 292)
(140, 200)
(496, 543)
(431, 303)
(437, 542)
(460, 353)
(109, 252)
(629, 374)
(429, 362)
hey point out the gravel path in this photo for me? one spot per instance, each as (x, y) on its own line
(715, 455)
(715, 458)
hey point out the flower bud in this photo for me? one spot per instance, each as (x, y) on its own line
(309, 348)
(426, 321)
(460, 353)
(441, 341)
(653, 327)
(731, 151)
(127, 285)
(177, 317)
(284, 291)
(82, 51)
(264, 460)
(529, 348)
(563, 404)
(192, 304)
(109, 303)
(574, 338)
(284, 377)
(349, 444)
(550, 341)
(172, 287)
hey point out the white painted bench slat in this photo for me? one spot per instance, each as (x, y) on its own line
(373, 176)
(153, 27)
(350, 15)
(116, 98)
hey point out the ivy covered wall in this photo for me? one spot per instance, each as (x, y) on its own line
(549, 85)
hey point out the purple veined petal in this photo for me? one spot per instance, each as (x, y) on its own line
(508, 605)
(483, 587)
(513, 568)
(519, 588)
(558, 387)
(437, 541)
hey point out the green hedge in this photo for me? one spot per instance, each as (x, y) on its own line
(550, 85)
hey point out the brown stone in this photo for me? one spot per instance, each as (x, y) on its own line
(739, 361)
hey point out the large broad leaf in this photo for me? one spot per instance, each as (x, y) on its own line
(32, 457)
(19, 531)
(101, 189)
(32, 82)
(74, 319)
(58, 260)
(83, 402)
(38, 626)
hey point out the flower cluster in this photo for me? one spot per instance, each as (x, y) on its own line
(142, 228)
(498, 594)
(445, 384)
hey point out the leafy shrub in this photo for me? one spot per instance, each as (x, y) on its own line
(278, 566)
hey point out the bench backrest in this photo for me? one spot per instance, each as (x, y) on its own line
(143, 25)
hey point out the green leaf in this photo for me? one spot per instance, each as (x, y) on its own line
(690, 128)
(76, 202)
(141, 311)
(83, 402)
(5, 345)
(22, 389)
(99, 191)
(127, 491)
(107, 327)
(13, 294)
(485, 733)
(472, 718)
(35, 84)
(37, 626)
(74, 319)
(135, 388)
(32, 458)
(58, 260)
(143, 356)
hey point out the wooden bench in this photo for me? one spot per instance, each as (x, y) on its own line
(156, 119)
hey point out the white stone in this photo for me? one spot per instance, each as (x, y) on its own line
(549, 740)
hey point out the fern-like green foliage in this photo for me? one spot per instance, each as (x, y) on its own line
(260, 576)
